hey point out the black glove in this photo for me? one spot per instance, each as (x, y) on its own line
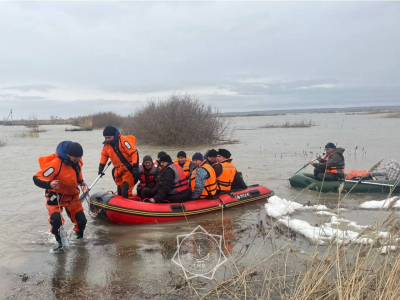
(101, 169)
(135, 172)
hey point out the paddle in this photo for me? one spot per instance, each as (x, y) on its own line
(371, 183)
(84, 195)
(318, 156)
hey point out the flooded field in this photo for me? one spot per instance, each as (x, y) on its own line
(134, 262)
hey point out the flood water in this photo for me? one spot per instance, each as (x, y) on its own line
(134, 262)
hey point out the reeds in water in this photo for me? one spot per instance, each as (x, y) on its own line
(288, 124)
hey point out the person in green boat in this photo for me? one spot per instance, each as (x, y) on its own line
(330, 167)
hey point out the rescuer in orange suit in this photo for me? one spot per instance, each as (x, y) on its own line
(122, 152)
(60, 175)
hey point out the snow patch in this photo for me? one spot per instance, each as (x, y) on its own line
(386, 249)
(335, 229)
(381, 203)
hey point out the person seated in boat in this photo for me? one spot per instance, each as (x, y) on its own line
(211, 156)
(227, 176)
(157, 161)
(174, 186)
(122, 152)
(60, 175)
(203, 181)
(159, 173)
(331, 166)
(184, 162)
(147, 180)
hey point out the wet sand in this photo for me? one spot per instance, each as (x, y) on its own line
(134, 262)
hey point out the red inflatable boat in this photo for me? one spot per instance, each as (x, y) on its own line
(130, 211)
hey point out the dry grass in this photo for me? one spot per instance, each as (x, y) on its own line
(393, 114)
(27, 134)
(336, 271)
(288, 124)
(342, 271)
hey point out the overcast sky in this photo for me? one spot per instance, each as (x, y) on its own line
(75, 58)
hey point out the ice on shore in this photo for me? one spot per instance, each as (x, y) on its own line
(335, 228)
(381, 203)
(277, 207)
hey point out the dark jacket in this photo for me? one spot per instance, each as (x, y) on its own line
(167, 184)
(158, 180)
(332, 162)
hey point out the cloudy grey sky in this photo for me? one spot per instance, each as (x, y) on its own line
(76, 58)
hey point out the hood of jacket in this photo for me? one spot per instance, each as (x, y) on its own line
(62, 150)
(339, 150)
(116, 136)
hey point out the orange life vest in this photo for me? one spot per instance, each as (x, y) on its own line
(180, 181)
(147, 178)
(210, 186)
(57, 169)
(227, 176)
(339, 168)
(186, 166)
(126, 146)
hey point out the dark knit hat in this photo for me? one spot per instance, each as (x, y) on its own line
(181, 153)
(211, 153)
(161, 153)
(330, 145)
(198, 156)
(166, 158)
(224, 153)
(75, 150)
(147, 158)
(109, 131)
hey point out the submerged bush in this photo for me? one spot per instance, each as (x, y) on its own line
(178, 121)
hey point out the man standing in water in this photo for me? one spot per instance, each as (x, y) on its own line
(60, 176)
(331, 167)
(122, 152)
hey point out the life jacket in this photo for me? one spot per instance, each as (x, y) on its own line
(180, 181)
(149, 178)
(210, 186)
(58, 167)
(122, 153)
(339, 168)
(227, 176)
(185, 167)
(43, 160)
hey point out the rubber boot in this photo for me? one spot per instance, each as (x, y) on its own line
(79, 234)
(59, 247)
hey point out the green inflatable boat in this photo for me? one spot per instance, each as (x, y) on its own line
(382, 185)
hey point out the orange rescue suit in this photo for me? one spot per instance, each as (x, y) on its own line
(69, 177)
(126, 146)
(210, 186)
(186, 166)
(227, 176)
